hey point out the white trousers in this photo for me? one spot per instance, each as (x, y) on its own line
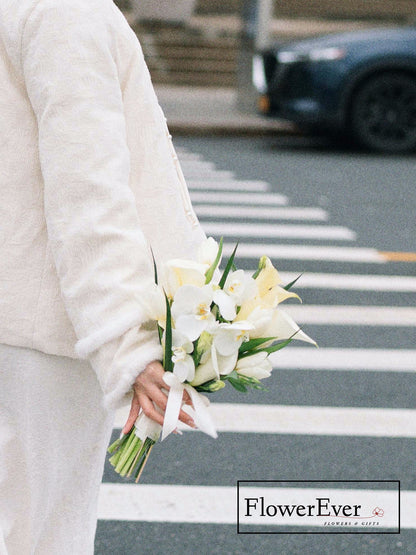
(53, 439)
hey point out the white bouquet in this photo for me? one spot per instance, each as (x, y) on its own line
(215, 328)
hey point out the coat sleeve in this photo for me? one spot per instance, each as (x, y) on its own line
(100, 253)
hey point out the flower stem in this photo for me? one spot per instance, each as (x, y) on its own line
(135, 447)
(127, 451)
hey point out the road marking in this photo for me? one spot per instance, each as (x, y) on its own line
(376, 360)
(270, 199)
(227, 185)
(209, 504)
(186, 156)
(191, 172)
(347, 315)
(261, 212)
(356, 282)
(197, 165)
(305, 252)
(317, 232)
(290, 419)
(399, 256)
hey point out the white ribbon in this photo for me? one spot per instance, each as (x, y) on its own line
(146, 427)
(201, 415)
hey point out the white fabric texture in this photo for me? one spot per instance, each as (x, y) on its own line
(89, 181)
(53, 436)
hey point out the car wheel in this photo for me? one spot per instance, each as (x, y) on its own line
(383, 113)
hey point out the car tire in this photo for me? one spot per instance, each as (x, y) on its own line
(383, 113)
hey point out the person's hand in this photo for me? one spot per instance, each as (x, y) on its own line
(147, 389)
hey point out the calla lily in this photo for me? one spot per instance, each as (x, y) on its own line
(204, 373)
(183, 364)
(216, 366)
(191, 310)
(153, 302)
(207, 252)
(282, 326)
(180, 272)
(203, 346)
(270, 292)
(260, 318)
(255, 366)
(268, 283)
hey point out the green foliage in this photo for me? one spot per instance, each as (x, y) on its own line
(230, 266)
(292, 283)
(243, 383)
(247, 348)
(167, 355)
(210, 272)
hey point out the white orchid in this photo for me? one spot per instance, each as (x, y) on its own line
(238, 288)
(191, 310)
(255, 366)
(225, 341)
(183, 363)
(202, 348)
(229, 337)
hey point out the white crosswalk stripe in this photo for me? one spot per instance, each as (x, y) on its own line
(353, 282)
(213, 504)
(261, 212)
(332, 421)
(206, 173)
(226, 185)
(352, 315)
(222, 202)
(253, 199)
(306, 252)
(283, 231)
(376, 360)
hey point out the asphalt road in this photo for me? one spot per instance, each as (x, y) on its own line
(369, 201)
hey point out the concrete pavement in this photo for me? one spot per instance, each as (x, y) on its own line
(213, 111)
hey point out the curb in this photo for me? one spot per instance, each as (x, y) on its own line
(212, 129)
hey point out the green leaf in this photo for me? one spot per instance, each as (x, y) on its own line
(238, 385)
(160, 332)
(230, 266)
(292, 283)
(154, 267)
(208, 387)
(167, 355)
(210, 272)
(247, 346)
(276, 347)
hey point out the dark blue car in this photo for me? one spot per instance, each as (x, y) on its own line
(361, 83)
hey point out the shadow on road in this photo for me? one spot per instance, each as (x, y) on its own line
(326, 145)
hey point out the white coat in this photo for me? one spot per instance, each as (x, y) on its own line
(89, 180)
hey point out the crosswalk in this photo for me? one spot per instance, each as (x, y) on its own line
(265, 222)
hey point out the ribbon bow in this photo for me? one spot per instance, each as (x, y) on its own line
(200, 403)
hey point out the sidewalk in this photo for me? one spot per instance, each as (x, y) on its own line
(201, 111)
(208, 111)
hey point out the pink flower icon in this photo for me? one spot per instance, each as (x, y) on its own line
(378, 512)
